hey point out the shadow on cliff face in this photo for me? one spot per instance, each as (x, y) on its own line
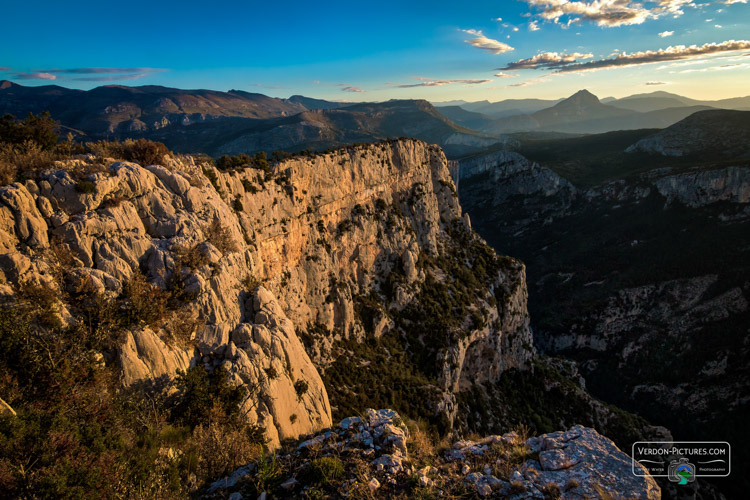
(642, 279)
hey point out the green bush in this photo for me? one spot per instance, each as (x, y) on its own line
(200, 392)
(39, 129)
(86, 187)
(322, 471)
(258, 160)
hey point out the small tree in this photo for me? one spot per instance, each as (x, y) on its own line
(40, 129)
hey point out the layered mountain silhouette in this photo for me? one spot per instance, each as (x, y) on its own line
(233, 122)
(584, 113)
(508, 107)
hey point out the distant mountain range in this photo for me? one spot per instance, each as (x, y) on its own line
(234, 122)
(215, 123)
(582, 113)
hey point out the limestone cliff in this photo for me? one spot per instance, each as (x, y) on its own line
(331, 249)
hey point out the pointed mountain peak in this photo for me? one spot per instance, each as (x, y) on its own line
(583, 96)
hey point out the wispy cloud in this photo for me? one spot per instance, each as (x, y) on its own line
(723, 67)
(98, 71)
(5, 68)
(730, 2)
(546, 60)
(504, 75)
(430, 82)
(529, 82)
(534, 26)
(98, 74)
(674, 53)
(109, 78)
(34, 76)
(351, 89)
(665, 34)
(649, 84)
(482, 42)
(607, 13)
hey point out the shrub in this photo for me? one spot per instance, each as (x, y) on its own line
(141, 151)
(421, 442)
(7, 173)
(517, 487)
(143, 302)
(572, 484)
(212, 178)
(269, 472)
(249, 187)
(258, 160)
(27, 156)
(272, 373)
(220, 237)
(223, 446)
(250, 283)
(237, 204)
(551, 491)
(204, 395)
(39, 129)
(322, 471)
(300, 387)
(227, 162)
(146, 152)
(85, 187)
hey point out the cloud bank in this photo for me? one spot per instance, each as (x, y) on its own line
(546, 60)
(568, 63)
(608, 13)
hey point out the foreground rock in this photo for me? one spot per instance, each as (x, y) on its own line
(376, 455)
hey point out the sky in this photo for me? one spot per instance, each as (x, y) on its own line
(363, 51)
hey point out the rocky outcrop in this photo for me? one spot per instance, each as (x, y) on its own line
(699, 188)
(261, 255)
(373, 457)
(145, 357)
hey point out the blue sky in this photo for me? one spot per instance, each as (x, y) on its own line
(361, 51)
